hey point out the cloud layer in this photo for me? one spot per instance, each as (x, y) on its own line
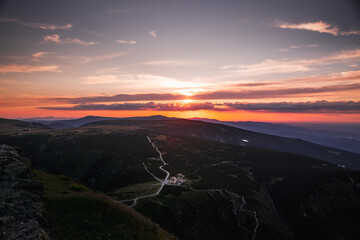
(56, 38)
(119, 98)
(270, 93)
(235, 93)
(138, 106)
(28, 68)
(279, 107)
(126, 42)
(319, 26)
(153, 33)
(103, 57)
(272, 66)
(45, 26)
(299, 107)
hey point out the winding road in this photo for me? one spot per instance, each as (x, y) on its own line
(255, 216)
(163, 182)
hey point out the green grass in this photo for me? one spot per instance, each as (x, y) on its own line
(75, 212)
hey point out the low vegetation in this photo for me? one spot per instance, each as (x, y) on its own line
(75, 212)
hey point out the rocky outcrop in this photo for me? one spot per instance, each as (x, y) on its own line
(20, 198)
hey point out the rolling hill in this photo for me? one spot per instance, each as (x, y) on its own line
(74, 123)
(231, 135)
(10, 126)
(341, 136)
(38, 205)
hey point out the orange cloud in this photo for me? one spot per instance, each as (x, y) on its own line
(288, 66)
(138, 106)
(126, 42)
(350, 75)
(344, 107)
(271, 93)
(319, 26)
(57, 39)
(268, 66)
(39, 54)
(352, 32)
(297, 47)
(173, 63)
(44, 26)
(52, 38)
(28, 68)
(103, 57)
(107, 78)
(153, 33)
(232, 92)
(299, 107)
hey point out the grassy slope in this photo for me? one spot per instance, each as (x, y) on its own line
(10, 126)
(97, 160)
(75, 212)
(231, 135)
(290, 192)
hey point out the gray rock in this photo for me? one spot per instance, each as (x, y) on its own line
(20, 198)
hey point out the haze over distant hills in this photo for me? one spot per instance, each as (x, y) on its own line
(56, 123)
(344, 136)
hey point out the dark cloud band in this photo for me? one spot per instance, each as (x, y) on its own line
(235, 94)
(298, 107)
(138, 106)
(290, 107)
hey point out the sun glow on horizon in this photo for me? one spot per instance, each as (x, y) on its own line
(187, 92)
(187, 101)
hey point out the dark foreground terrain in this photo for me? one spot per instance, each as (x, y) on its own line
(230, 190)
(38, 205)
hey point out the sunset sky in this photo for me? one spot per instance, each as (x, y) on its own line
(275, 61)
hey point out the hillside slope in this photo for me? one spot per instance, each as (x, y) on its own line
(341, 136)
(9, 126)
(37, 205)
(75, 212)
(231, 191)
(74, 123)
(232, 135)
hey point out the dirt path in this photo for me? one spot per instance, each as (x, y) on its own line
(163, 182)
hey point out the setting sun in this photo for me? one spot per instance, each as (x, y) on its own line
(186, 101)
(187, 92)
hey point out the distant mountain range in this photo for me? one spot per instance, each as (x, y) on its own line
(342, 136)
(55, 123)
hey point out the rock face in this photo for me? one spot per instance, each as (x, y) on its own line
(20, 198)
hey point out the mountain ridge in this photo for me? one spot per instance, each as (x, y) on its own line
(227, 134)
(337, 138)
